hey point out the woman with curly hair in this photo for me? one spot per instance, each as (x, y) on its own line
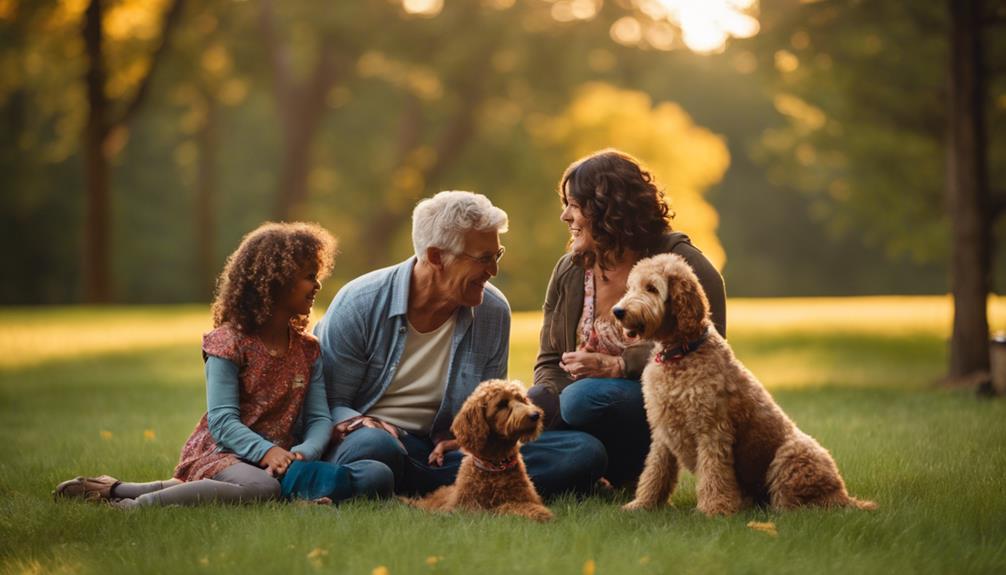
(587, 373)
(267, 414)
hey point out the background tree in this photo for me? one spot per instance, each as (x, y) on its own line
(108, 119)
(429, 95)
(905, 160)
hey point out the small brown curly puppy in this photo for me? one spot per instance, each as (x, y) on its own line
(490, 427)
(709, 413)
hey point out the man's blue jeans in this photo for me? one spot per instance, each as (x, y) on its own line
(612, 411)
(557, 462)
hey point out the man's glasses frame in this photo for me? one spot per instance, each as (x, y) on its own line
(486, 261)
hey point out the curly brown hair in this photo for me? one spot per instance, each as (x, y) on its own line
(261, 269)
(623, 206)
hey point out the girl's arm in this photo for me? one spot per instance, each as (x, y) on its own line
(223, 412)
(317, 421)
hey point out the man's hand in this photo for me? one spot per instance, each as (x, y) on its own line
(344, 428)
(583, 364)
(277, 459)
(436, 458)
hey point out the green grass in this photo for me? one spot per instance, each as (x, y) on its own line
(118, 391)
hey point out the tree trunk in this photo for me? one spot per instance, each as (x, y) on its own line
(96, 223)
(205, 194)
(98, 148)
(967, 188)
(301, 109)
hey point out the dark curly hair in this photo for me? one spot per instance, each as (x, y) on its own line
(623, 206)
(264, 265)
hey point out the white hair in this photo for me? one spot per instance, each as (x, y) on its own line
(442, 221)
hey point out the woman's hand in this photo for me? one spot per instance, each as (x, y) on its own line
(583, 364)
(277, 459)
(436, 458)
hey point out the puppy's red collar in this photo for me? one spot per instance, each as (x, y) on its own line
(672, 354)
(496, 467)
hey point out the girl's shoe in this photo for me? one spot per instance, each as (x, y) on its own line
(87, 488)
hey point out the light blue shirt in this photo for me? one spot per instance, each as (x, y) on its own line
(363, 333)
(223, 414)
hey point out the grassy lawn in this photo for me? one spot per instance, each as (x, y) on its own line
(118, 390)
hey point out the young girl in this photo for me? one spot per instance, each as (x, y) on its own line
(264, 387)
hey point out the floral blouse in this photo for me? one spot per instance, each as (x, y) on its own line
(599, 334)
(271, 396)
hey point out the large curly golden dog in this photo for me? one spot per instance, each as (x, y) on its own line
(490, 427)
(709, 413)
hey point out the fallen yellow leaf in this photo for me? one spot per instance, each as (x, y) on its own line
(317, 552)
(432, 560)
(317, 557)
(589, 567)
(149, 434)
(104, 434)
(380, 570)
(204, 561)
(765, 527)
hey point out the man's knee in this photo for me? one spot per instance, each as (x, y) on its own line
(565, 461)
(588, 458)
(371, 479)
(368, 443)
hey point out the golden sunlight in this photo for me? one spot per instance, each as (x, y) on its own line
(706, 25)
(427, 8)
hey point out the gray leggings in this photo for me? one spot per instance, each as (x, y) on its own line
(240, 482)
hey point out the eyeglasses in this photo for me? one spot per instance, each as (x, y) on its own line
(486, 261)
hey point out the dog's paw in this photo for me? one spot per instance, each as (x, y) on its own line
(637, 505)
(719, 508)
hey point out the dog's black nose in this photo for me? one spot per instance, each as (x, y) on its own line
(618, 312)
(535, 416)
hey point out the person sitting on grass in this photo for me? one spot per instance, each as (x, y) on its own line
(264, 389)
(403, 347)
(587, 373)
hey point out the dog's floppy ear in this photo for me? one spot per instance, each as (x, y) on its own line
(470, 426)
(686, 303)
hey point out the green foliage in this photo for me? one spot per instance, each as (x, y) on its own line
(932, 459)
(458, 101)
(862, 87)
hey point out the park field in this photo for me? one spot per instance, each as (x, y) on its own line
(117, 390)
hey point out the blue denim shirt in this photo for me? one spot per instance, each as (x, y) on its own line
(362, 338)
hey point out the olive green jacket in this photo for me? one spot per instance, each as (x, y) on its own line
(564, 305)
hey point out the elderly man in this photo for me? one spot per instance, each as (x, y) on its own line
(404, 346)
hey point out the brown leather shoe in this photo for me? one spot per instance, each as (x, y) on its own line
(87, 488)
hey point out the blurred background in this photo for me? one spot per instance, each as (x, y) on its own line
(802, 144)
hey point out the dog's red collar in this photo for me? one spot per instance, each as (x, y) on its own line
(498, 466)
(672, 354)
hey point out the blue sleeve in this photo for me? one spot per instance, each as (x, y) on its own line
(499, 363)
(223, 412)
(317, 422)
(342, 335)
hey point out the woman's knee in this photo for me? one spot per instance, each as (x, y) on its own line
(593, 401)
(583, 403)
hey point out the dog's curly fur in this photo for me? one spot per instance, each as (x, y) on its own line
(491, 425)
(709, 413)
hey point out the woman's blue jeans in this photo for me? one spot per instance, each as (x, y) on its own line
(612, 411)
